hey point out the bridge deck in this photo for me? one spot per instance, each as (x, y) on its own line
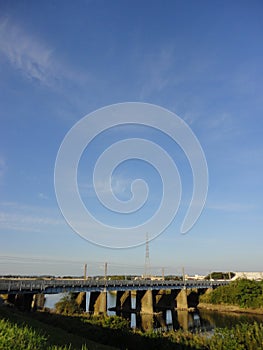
(54, 286)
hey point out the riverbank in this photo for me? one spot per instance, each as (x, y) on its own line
(81, 332)
(48, 331)
(28, 327)
(229, 308)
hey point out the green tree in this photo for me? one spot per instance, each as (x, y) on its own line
(67, 305)
(243, 293)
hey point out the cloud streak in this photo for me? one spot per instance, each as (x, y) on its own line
(21, 222)
(25, 53)
(14, 216)
(120, 186)
(34, 58)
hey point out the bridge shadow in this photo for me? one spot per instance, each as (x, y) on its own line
(76, 326)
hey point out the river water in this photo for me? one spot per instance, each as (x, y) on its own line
(198, 320)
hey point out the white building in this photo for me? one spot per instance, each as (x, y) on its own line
(256, 276)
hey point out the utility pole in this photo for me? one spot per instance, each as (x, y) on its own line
(105, 270)
(105, 275)
(85, 271)
(183, 276)
(163, 273)
(147, 259)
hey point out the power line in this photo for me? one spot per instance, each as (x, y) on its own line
(12, 259)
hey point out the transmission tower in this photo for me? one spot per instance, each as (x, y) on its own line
(147, 266)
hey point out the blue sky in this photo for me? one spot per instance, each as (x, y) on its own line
(60, 61)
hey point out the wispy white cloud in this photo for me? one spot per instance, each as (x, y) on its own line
(20, 217)
(25, 53)
(33, 57)
(119, 186)
(22, 222)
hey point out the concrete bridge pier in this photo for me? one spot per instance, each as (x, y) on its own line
(123, 301)
(23, 301)
(150, 301)
(164, 299)
(193, 297)
(206, 291)
(81, 300)
(144, 321)
(11, 298)
(161, 319)
(144, 301)
(98, 303)
(38, 302)
(181, 300)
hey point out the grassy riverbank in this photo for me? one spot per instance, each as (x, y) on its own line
(230, 308)
(243, 296)
(33, 331)
(44, 331)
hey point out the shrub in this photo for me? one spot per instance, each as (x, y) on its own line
(67, 305)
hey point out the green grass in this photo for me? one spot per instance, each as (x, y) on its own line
(20, 330)
(23, 337)
(44, 331)
(17, 337)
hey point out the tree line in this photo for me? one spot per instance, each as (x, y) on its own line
(243, 293)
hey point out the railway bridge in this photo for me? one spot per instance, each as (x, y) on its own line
(151, 295)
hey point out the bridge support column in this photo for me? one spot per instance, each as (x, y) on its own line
(81, 300)
(208, 290)
(24, 301)
(123, 301)
(181, 300)
(164, 299)
(98, 303)
(11, 298)
(38, 301)
(146, 321)
(161, 319)
(4, 297)
(144, 301)
(192, 297)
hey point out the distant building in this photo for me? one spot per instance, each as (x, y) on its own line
(156, 278)
(195, 277)
(256, 276)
